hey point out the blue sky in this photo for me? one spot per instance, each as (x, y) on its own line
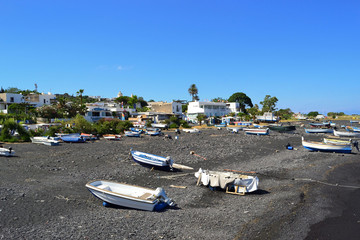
(306, 53)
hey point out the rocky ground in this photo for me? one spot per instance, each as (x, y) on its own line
(43, 194)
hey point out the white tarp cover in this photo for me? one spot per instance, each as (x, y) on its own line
(222, 179)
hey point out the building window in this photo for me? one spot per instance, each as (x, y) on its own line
(11, 99)
(44, 101)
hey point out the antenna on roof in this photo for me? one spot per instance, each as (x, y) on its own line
(35, 87)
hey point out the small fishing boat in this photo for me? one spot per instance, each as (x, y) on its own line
(320, 125)
(281, 127)
(326, 147)
(319, 130)
(222, 125)
(234, 129)
(233, 183)
(347, 134)
(113, 137)
(73, 138)
(46, 140)
(151, 160)
(88, 137)
(257, 131)
(159, 125)
(337, 141)
(191, 130)
(153, 133)
(352, 129)
(130, 196)
(6, 152)
(138, 130)
(132, 134)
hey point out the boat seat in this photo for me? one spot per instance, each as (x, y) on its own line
(145, 196)
(104, 187)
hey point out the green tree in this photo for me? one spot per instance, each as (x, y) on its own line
(132, 101)
(80, 124)
(193, 91)
(285, 113)
(200, 118)
(80, 93)
(269, 103)
(218, 99)
(48, 112)
(9, 127)
(242, 99)
(254, 111)
(313, 114)
(123, 100)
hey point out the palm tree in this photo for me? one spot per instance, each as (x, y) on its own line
(193, 91)
(80, 92)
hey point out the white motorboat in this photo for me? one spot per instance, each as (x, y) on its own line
(46, 140)
(130, 196)
(256, 131)
(114, 137)
(191, 130)
(6, 152)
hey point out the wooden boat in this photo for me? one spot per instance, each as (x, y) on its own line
(191, 130)
(337, 141)
(233, 183)
(132, 134)
(88, 137)
(46, 140)
(320, 125)
(281, 128)
(318, 130)
(129, 196)
(347, 134)
(326, 147)
(151, 160)
(257, 131)
(6, 152)
(73, 138)
(352, 129)
(234, 129)
(113, 137)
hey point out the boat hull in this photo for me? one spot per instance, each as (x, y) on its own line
(319, 130)
(6, 152)
(151, 160)
(45, 141)
(256, 131)
(129, 196)
(346, 134)
(324, 147)
(282, 128)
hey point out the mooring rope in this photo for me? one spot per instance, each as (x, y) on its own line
(325, 183)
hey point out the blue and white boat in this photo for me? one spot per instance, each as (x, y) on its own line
(132, 134)
(318, 130)
(326, 147)
(6, 152)
(130, 196)
(256, 131)
(151, 160)
(73, 138)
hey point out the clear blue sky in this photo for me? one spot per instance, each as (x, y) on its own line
(306, 53)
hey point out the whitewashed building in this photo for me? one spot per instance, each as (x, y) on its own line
(169, 108)
(6, 99)
(96, 111)
(209, 109)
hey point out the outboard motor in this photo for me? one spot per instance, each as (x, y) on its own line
(356, 145)
(10, 149)
(160, 194)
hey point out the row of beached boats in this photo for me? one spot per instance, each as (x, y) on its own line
(131, 196)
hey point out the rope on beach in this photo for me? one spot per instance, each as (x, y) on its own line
(325, 183)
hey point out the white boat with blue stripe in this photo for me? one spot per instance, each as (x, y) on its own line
(326, 147)
(130, 196)
(151, 160)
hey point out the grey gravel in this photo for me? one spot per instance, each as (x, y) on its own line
(43, 194)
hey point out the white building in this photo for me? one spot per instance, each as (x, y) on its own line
(6, 99)
(96, 111)
(234, 107)
(209, 109)
(38, 100)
